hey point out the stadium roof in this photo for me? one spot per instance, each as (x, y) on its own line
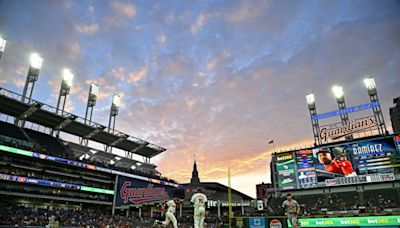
(45, 115)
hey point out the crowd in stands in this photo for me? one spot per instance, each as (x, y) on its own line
(37, 217)
(376, 201)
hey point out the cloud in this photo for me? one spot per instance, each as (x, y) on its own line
(118, 73)
(88, 29)
(127, 10)
(220, 89)
(137, 75)
(246, 10)
(75, 49)
(199, 22)
(162, 38)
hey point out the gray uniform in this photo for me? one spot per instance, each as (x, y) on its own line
(291, 210)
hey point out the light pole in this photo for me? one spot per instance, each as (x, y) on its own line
(33, 75)
(376, 106)
(339, 95)
(92, 97)
(116, 101)
(310, 98)
(66, 83)
(93, 92)
(2, 45)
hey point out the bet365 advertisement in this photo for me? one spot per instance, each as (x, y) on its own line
(286, 171)
(364, 161)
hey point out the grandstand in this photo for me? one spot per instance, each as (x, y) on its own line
(43, 174)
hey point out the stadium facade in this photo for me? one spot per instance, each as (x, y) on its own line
(40, 170)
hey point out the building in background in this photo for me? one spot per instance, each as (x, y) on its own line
(395, 115)
(217, 195)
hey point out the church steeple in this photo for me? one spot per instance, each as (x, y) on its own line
(195, 174)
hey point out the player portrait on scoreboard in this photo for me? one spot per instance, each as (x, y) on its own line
(332, 162)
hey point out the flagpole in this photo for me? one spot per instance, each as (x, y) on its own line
(229, 197)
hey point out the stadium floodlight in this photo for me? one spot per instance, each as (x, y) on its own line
(338, 91)
(67, 77)
(36, 61)
(33, 74)
(66, 83)
(116, 101)
(373, 96)
(310, 98)
(370, 83)
(93, 92)
(2, 45)
(339, 94)
(94, 89)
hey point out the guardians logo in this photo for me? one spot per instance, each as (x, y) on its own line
(351, 127)
(142, 195)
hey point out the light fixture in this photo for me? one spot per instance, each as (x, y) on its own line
(36, 61)
(337, 91)
(2, 44)
(94, 89)
(310, 99)
(67, 77)
(370, 83)
(116, 100)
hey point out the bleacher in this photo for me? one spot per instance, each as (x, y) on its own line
(49, 144)
(12, 135)
(12, 131)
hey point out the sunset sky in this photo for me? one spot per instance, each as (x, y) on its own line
(218, 79)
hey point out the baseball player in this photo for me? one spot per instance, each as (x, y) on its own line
(170, 215)
(199, 200)
(292, 210)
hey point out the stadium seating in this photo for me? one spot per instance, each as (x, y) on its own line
(12, 135)
(49, 143)
(12, 131)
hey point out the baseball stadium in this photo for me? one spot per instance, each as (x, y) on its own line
(208, 79)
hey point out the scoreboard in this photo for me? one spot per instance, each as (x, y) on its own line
(356, 162)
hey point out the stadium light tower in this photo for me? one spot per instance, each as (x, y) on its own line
(310, 98)
(376, 107)
(2, 45)
(33, 75)
(93, 92)
(339, 94)
(116, 101)
(66, 83)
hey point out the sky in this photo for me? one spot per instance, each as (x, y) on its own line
(218, 79)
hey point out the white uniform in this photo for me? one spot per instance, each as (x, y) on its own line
(170, 215)
(199, 200)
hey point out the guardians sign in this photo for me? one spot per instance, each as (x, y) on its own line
(329, 134)
(132, 192)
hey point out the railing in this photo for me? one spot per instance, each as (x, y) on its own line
(51, 109)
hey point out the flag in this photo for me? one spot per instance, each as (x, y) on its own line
(272, 141)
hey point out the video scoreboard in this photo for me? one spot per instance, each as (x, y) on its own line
(356, 162)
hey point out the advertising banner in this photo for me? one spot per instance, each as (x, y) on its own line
(256, 222)
(133, 192)
(305, 169)
(286, 170)
(370, 221)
